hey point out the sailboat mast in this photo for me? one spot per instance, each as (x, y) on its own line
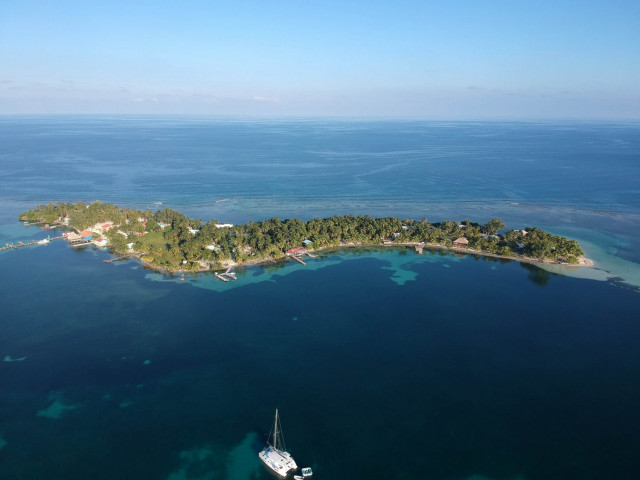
(275, 431)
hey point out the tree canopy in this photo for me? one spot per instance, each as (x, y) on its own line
(172, 240)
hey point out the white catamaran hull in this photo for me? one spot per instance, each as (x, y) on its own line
(278, 461)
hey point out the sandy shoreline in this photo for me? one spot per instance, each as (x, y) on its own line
(582, 261)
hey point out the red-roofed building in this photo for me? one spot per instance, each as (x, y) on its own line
(86, 234)
(296, 251)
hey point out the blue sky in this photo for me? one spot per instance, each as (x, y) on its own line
(430, 59)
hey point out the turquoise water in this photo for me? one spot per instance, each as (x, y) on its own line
(384, 364)
(577, 176)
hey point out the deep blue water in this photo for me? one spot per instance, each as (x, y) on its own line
(384, 364)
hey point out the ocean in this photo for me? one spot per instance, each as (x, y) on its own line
(384, 364)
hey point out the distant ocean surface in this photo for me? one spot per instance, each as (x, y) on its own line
(384, 364)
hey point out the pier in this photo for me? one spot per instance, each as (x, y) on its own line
(220, 277)
(297, 253)
(123, 257)
(229, 274)
(297, 259)
(45, 241)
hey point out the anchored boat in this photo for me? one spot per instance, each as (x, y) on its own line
(275, 455)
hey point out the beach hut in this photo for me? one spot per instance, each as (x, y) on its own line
(461, 242)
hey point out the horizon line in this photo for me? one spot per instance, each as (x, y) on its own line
(249, 117)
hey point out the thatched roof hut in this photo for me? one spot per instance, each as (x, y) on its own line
(461, 242)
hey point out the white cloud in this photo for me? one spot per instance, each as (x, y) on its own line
(272, 99)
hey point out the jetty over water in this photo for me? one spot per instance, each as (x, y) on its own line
(123, 257)
(229, 274)
(297, 253)
(226, 275)
(297, 259)
(45, 241)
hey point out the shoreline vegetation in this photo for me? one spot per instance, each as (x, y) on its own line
(169, 242)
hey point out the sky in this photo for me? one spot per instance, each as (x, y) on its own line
(436, 59)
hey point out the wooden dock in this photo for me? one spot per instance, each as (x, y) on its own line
(220, 277)
(111, 260)
(229, 274)
(298, 259)
(11, 246)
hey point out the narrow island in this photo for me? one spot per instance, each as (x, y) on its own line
(169, 241)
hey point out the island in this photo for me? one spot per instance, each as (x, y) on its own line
(169, 241)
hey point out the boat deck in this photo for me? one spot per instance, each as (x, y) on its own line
(278, 461)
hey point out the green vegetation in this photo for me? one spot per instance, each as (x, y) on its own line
(173, 241)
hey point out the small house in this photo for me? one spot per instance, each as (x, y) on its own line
(461, 242)
(296, 251)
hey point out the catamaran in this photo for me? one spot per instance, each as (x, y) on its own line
(275, 455)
